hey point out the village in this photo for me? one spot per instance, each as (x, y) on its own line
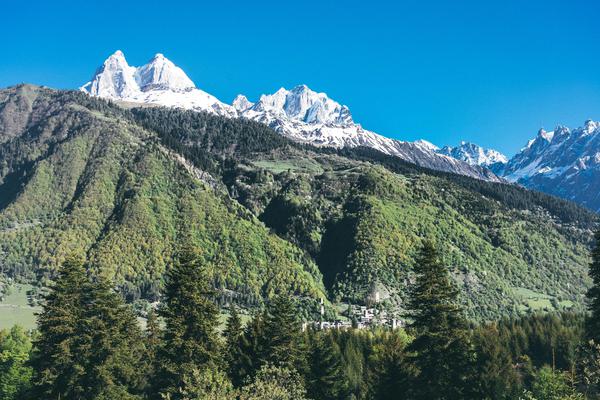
(361, 316)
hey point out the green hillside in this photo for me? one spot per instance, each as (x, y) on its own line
(362, 216)
(127, 187)
(78, 177)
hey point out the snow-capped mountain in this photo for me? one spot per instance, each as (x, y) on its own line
(474, 154)
(562, 162)
(311, 117)
(158, 82)
(300, 113)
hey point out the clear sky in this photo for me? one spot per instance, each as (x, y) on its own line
(490, 72)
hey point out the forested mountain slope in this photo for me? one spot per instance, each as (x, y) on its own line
(361, 216)
(78, 175)
(127, 186)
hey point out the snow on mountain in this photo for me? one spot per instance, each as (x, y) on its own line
(310, 117)
(241, 103)
(427, 145)
(562, 162)
(474, 154)
(160, 73)
(300, 113)
(303, 105)
(114, 79)
(158, 82)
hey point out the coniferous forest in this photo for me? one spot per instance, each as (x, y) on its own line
(89, 345)
(181, 255)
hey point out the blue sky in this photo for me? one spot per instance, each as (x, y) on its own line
(490, 72)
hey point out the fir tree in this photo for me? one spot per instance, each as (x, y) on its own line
(494, 376)
(111, 344)
(282, 334)
(252, 349)
(387, 371)
(153, 340)
(58, 367)
(89, 343)
(593, 294)
(327, 380)
(233, 351)
(440, 349)
(191, 319)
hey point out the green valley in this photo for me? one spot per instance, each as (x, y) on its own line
(127, 186)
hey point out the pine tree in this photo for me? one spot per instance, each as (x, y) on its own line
(113, 345)
(58, 367)
(153, 340)
(89, 343)
(282, 334)
(494, 374)
(153, 333)
(251, 349)
(388, 371)
(440, 351)
(327, 380)
(191, 319)
(593, 294)
(233, 351)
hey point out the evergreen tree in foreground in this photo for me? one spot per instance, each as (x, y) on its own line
(440, 351)
(494, 375)
(252, 345)
(282, 334)
(388, 371)
(153, 340)
(191, 318)
(233, 346)
(89, 345)
(327, 380)
(593, 294)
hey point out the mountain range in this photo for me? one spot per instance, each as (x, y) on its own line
(562, 162)
(283, 195)
(128, 186)
(301, 114)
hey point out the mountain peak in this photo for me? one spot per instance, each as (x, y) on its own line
(117, 55)
(474, 154)
(241, 103)
(426, 144)
(114, 79)
(161, 73)
(305, 105)
(159, 81)
(590, 126)
(546, 135)
(301, 88)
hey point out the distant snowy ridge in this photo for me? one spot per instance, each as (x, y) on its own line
(474, 154)
(562, 162)
(300, 113)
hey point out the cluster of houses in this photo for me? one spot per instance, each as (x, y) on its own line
(361, 316)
